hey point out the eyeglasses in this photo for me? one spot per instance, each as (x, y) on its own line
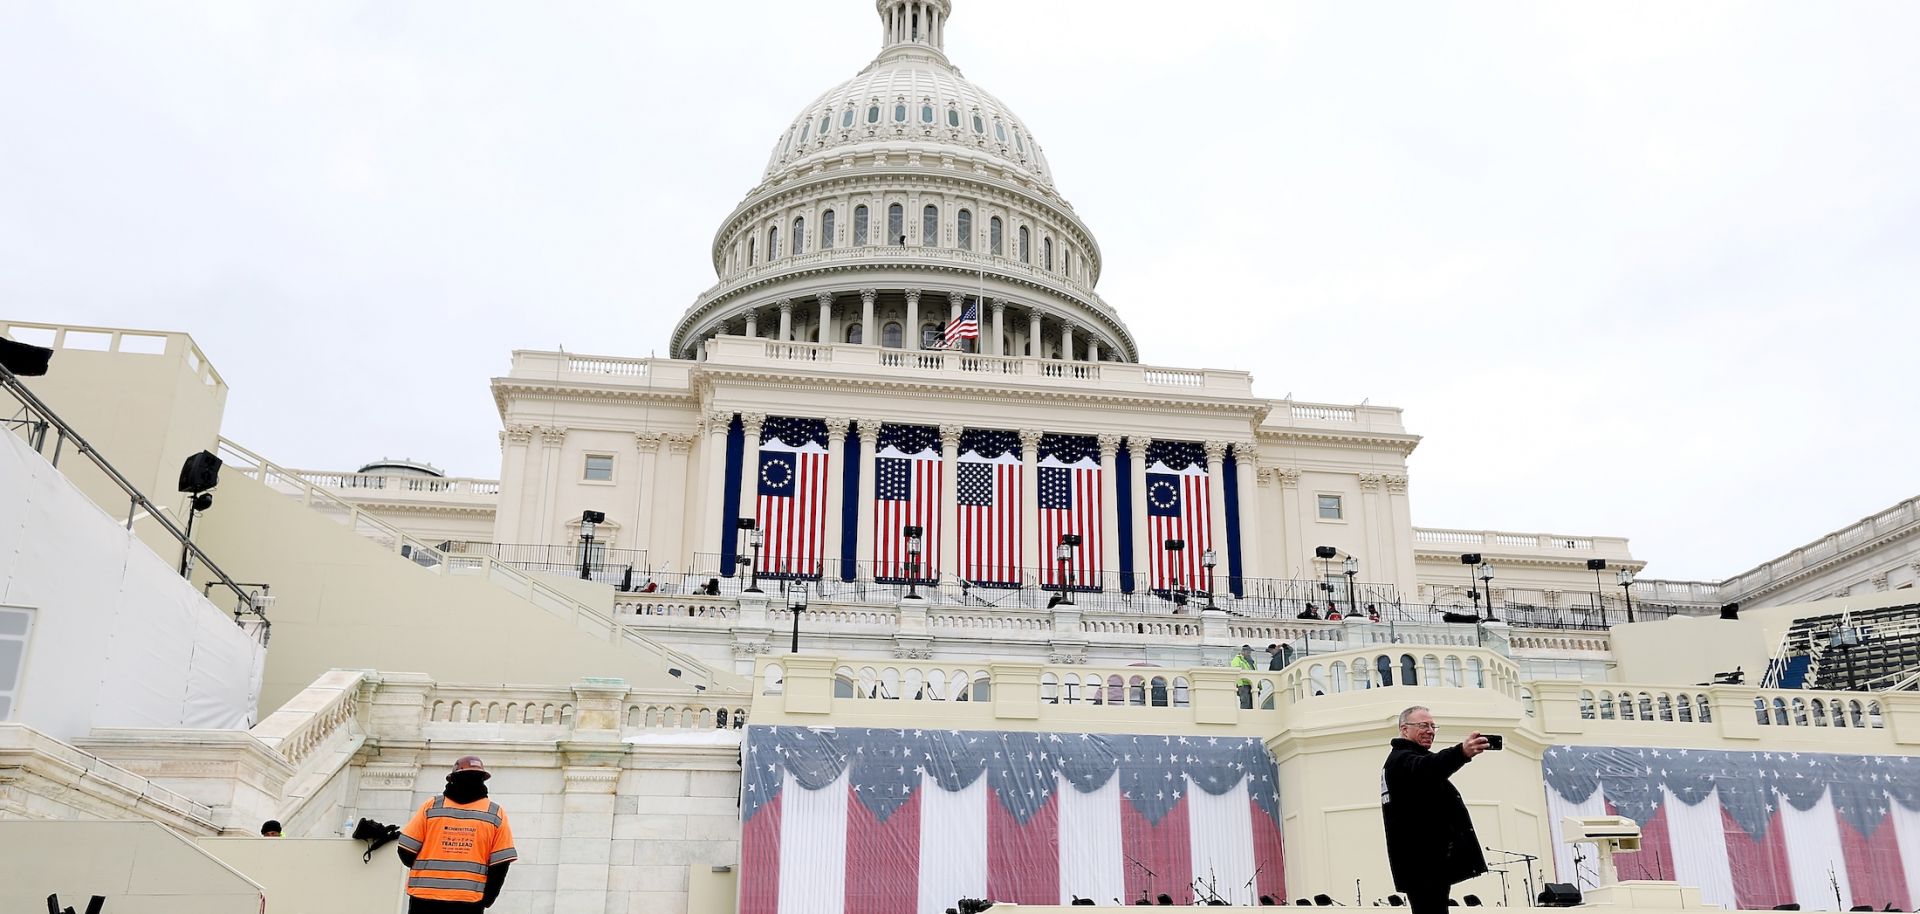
(1428, 725)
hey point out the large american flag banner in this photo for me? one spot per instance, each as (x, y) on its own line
(1751, 829)
(987, 488)
(1070, 502)
(906, 492)
(1178, 508)
(869, 821)
(792, 502)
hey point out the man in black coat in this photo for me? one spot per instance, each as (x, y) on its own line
(1430, 839)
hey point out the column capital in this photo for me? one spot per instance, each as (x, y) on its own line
(785, 305)
(1246, 453)
(1369, 481)
(956, 297)
(1138, 444)
(867, 296)
(1030, 438)
(1109, 444)
(913, 296)
(1289, 477)
(1880, 581)
(719, 420)
(678, 442)
(999, 306)
(551, 436)
(1216, 452)
(644, 440)
(825, 299)
(950, 434)
(837, 428)
(518, 434)
(750, 423)
(869, 435)
(1396, 484)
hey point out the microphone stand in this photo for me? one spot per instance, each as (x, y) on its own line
(1151, 875)
(1529, 859)
(1253, 895)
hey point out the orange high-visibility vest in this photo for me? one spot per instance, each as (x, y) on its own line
(454, 843)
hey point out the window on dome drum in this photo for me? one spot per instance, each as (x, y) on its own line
(896, 225)
(1331, 508)
(979, 126)
(846, 119)
(826, 230)
(859, 225)
(953, 117)
(873, 114)
(963, 228)
(826, 124)
(799, 236)
(806, 130)
(773, 242)
(1046, 253)
(753, 252)
(599, 468)
(853, 333)
(930, 336)
(993, 236)
(900, 113)
(930, 225)
(890, 335)
(999, 130)
(1024, 258)
(1019, 141)
(926, 114)
(15, 625)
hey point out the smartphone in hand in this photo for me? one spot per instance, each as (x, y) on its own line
(1495, 742)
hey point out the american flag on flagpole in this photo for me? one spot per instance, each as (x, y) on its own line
(1070, 502)
(792, 505)
(906, 492)
(988, 492)
(1178, 508)
(964, 327)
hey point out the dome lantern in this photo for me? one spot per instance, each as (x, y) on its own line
(917, 23)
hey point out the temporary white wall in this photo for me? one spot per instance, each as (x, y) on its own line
(139, 867)
(118, 639)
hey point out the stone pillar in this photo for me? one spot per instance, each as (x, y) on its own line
(549, 529)
(1372, 515)
(999, 327)
(647, 444)
(1066, 341)
(673, 484)
(750, 425)
(867, 337)
(509, 522)
(1137, 449)
(1291, 520)
(1030, 551)
(826, 317)
(1216, 452)
(913, 319)
(956, 300)
(585, 844)
(1245, 465)
(863, 547)
(1109, 513)
(713, 454)
(753, 324)
(1093, 349)
(1033, 334)
(831, 537)
(786, 320)
(949, 508)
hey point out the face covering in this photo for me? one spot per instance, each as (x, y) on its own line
(466, 787)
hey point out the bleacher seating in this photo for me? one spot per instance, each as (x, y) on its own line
(1888, 648)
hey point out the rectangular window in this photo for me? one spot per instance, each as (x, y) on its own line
(599, 468)
(1330, 507)
(15, 623)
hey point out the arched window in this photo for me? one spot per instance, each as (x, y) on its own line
(873, 114)
(846, 119)
(999, 130)
(953, 117)
(1606, 705)
(890, 335)
(896, 225)
(1024, 256)
(826, 124)
(1046, 253)
(899, 112)
(853, 332)
(799, 235)
(773, 242)
(979, 126)
(994, 233)
(963, 229)
(1408, 667)
(930, 225)
(926, 112)
(859, 225)
(826, 230)
(1383, 665)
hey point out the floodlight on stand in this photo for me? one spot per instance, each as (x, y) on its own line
(1486, 584)
(797, 604)
(913, 533)
(1625, 579)
(755, 538)
(1350, 568)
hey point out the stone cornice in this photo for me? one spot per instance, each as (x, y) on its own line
(1403, 443)
(422, 507)
(1576, 562)
(1092, 394)
(581, 392)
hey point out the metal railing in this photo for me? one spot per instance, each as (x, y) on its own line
(440, 561)
(620, 568)
(36, 419)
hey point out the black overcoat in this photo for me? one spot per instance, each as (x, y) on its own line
(1430, 839)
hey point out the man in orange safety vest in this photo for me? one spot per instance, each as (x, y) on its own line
(457, 846)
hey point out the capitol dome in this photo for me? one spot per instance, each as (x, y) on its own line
(900, 200)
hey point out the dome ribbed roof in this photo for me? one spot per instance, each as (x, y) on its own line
(909, 97)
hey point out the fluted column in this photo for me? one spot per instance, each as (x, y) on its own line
(826, 317)
(869, 444)
(955, 302)
(786, 320)
(949, 508)
(1093, 350)
(750, 425)
(713, 453)
(867, 337)
(672, 487)
(1245, 462)
(1137, 449)
(1066, 341)
(1109, 512)
(1030, 552)
(1033, 335)
(1216, 452)
(753, 324)
(647, 446)
(509, 523)
(836, 491)
(999, 327)
(913, 319)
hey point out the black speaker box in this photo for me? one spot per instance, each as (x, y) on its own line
(200, 473)
(1559, 895)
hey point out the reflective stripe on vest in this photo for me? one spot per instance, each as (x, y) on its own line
(460, 866)
(503, 855)
(488, 815)
(456, 884)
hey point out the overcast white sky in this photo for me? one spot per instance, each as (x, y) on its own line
(1636, 269)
